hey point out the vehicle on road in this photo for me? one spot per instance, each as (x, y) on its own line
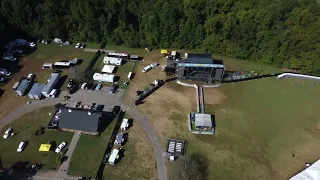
(21, 146)
(60, 147)
(7, 133)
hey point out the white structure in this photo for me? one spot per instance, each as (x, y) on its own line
(114, 54)
(302, 76)
(114, 155)
(310, 173)
(112, 60)
(57, 40)
(130, 75)
(108, 69)
(124, 124)
(62, 64)
(103, 77)
(47, 66)
(203, 121)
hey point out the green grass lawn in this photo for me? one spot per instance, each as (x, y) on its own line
(88, 154)
(25, 128)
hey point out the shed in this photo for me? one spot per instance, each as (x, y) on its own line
(112, 60)
(23, 87)
(52, 81)
(164, 51)
(203, 121)
(33, 89)
(47, 66)
(114, 155)
(134, 57)
(108, 68)
(103, 77)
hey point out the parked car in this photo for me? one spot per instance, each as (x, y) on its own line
(83, 46)
(4, 72)
(31, 44)
(78, 45)
(7, 133)
(21, 146)
(98, 87)
(83, 86)
(60, 147)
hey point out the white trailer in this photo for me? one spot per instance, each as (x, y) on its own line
(114, 156)
(61, 64)
(124, 124)
(114, 54)
(103, 77)
(112, 60)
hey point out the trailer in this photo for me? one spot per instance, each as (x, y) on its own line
(61, 65)
(47, 66)
(114, 54)
(114, 156)
(112, 60)
(124, 124)
(38, 92)
(32, 90)
(52, 82)
(21, 90)
(103, 77)
(16, 85)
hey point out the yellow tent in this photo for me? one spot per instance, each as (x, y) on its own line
(44, 147)
(164, 51)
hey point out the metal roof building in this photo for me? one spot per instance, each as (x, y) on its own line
(52, 81)
(84, 120)
(21, 90)
(203, 121)
(200, 67)
(33, 89)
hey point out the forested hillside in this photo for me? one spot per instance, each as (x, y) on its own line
(284, 33)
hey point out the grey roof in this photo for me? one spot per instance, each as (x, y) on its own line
(79, 119)
(51, 82)
(203, 59)
(203, 120)
(33, 89)
(38, 91)
(134, 56)
(23, 85)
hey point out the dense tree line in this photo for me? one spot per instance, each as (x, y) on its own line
(283, 33)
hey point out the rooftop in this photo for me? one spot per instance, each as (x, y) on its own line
(203, 120)
(202, 60)
(79, 119)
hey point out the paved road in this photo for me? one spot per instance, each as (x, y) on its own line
(64, 167)
(101, 98)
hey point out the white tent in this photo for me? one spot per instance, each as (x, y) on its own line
(108, 68)
(310, 173)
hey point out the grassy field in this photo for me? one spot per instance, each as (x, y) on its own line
(88, 154)
(265, 129)
(32, 64)
(24, 128)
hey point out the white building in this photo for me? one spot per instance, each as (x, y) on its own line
(103, 77)
(108, 69)
(112, 60)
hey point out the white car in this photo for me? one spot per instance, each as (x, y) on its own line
(7, 133)
(60, 147)
(78, 45)
(31, 44)
(21, 146)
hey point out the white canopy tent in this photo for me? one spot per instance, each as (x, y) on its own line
(108, 69)
(310, 173)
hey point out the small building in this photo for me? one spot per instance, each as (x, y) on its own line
(134, 57)
(103, 77)
(52, 82)
(203, 121)
(124, 125)
(84, 120)
(108, 69)
(33, 89)
(24, 85)
(175, 147)
(47, 66)
(112, 60)
(114, 156)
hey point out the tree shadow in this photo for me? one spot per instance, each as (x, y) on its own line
(61, 81)
(1, 92)
(107, 118)
(17, 171)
